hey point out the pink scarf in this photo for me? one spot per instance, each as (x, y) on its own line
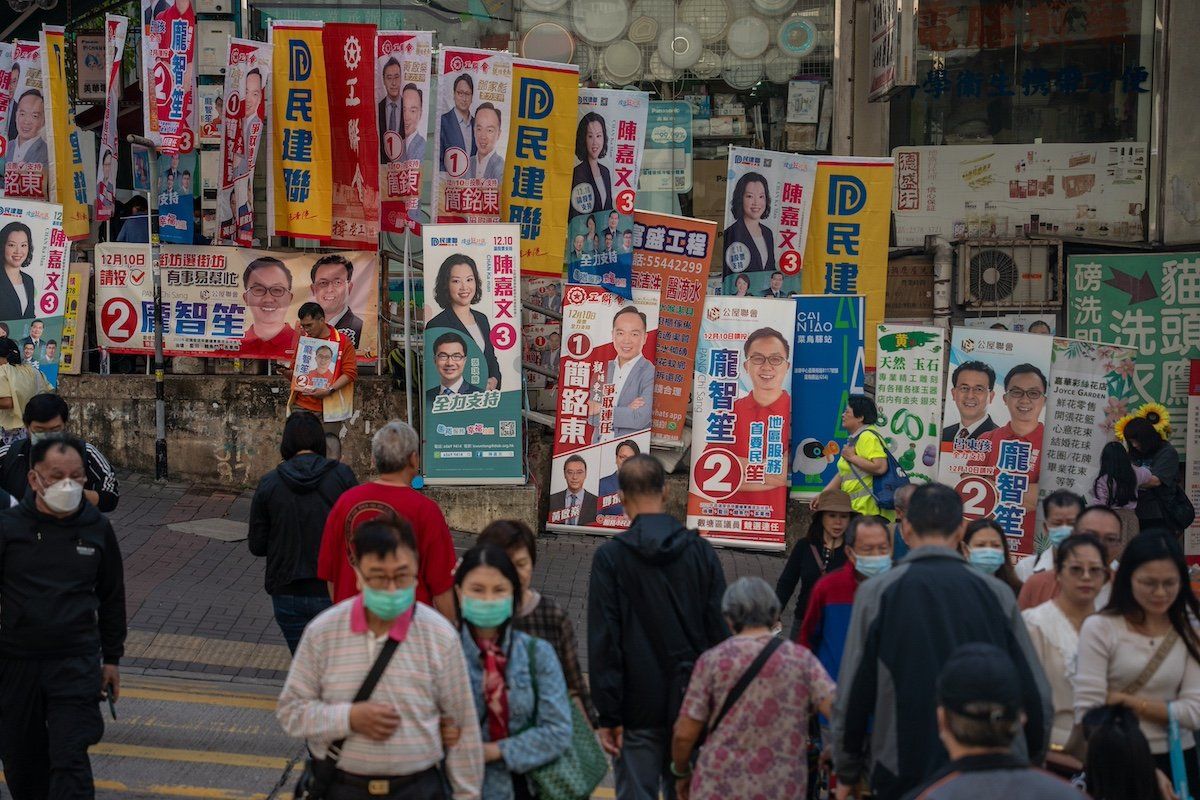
(495, 692)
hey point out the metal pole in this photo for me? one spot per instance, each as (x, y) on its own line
(406, 294)
(160, 389)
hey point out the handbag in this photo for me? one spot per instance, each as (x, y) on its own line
(883, 487)
(579, 770)
(318, 774)
(1177, 509)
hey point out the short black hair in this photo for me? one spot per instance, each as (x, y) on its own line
(332, 258)
(57, 442)
(630, 310)
(489, 107)
(642, 476)
(1061, 498)
(449, 337)
(464, 77)
(383, 535)
(864, 408)
(391, 62)
(45, 407)
(735, 204)
(484, 554)
(411, 87)
(631, 444)
(302, 431)
(763, 333)
(1025, 369)
(974, 366)
(311, 310)
(441, 287)
(262, 263)
(581, 135)
(510, 534)
(21, 227)
(575, 459)
(935, 510)
(327, 349)
(257, 72)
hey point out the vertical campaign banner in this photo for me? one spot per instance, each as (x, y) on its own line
(828, 367)
(300, 180)
(247, 87)
(27, 155)
(1191, 539)
(7, 84)
(471, 406)
(354, 138)
(993, 427)
(540, 156)
(474, 96)
(33, 247)
(177, 197)
(402, 60)
(667, 162)
(169, 74)
(768, 202)
(72, 346)
(672, 256)
(115, 29)
(68, 183)
(908, 393)
(608, 148)
(741, 415)
(605, 403)
(847, 252)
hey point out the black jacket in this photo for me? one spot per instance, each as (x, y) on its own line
(101, 478)
(62, 585)
(662, 559)
(804, 567)
(287, 517)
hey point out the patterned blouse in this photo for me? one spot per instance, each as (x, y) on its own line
(550, 622)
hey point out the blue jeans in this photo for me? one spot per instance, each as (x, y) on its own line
(643, 768)
(293, 612)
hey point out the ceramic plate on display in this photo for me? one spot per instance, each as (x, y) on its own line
(797, 37)
(600, 21)
(709, 65)
(773, 7)
(748, 37)
(710, 18)
(585, 59)
(679, 46)
(741, 73)
(622, 61)
(650, 17)
(544, 5)
(780, 68)
(548, 41)
(660, 71)
(643, 30)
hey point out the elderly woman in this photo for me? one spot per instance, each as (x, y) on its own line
(755, 746)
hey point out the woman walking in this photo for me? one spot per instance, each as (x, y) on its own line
(819, 553)
(1147, 448)
(863, 459)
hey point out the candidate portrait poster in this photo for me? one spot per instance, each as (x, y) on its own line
(115, 29)
(768, 201)
(471, 398)
(233, 302)
(741, 415)
(908, 394)
(993, 425)
(33, 247)
(7, 84)
(177, 178)
(605, 403)
(474, 99)
(353, 137)
(608, 161)
(402, 65)
(27, 151)
(247, 88)
(169, 70)
(68, 177)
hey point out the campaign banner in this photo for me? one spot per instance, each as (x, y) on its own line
(474, 99)
(605, 403)
(72, 346)
(667, 162)
(210, 99)
(300, 180)
(471, 406)
(540, 156)
(140, 158)
(177, 198)
(115, 29)
(741, 416)
(68, 181)
(33, 245)
(402, 60)
(27, 154)
(847, 252)
(233, 302)
(991, 449)
(169, 67)
(826, 370)
(1191, 478)
(908, 394)
(247, 87)
(7, 85)
(608, 146)
(672, 255)
(353, 137)
(768, 203)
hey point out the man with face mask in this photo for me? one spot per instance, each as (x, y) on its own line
(47, 414)
(62, 626)
(1060, 509)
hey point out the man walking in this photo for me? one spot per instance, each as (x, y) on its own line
(654, 605)
(62, 627)
(333, 403)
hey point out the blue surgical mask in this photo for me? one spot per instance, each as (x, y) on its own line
(1059, 535)
(389, 603)
(986, 559)
(870, 566)
(487, 613)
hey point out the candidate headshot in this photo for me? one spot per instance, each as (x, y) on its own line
(413, 102)
(449, 358)
(26, 139)
(332, 279)
(591, 181)
(775, 286)
(16, 248)
(574, 505)
(609, 486)
(486, 164)
(456, 289)
(268, 296)
(631, 374)
(972, 387)
(391, 112)
(322, 370)
(749, 243)
(457, 126)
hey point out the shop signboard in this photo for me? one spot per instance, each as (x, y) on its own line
(72, 346)
(402, 65)
(893, 60)
(247, 87)
(908, 394)
(113, 49)
(91, 72)
(353, 136)
(34, 318)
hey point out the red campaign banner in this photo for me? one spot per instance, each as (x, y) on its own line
(247, 83)
(169, 68)
(349, 70)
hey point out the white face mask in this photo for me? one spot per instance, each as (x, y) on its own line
(63, 496)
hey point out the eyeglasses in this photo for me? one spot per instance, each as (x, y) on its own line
(1078, 571)
(382, 582)
(449, 357)
(1170, 586)
(1026, 394)
(759, 360)
(979, 390)
(259, 291)
(336, 283)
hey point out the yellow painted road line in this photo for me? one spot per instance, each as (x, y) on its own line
(229, 700)
(167, 790)
(603, 794)
(188, 756)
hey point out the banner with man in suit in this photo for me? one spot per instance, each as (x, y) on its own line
(402, 61)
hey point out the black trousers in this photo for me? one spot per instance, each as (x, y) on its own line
(1190, 765)
(51, 715)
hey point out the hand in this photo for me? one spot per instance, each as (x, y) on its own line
(812, 505)
(610, 740)
(848, 452)
(492, 383)
(1118, 699)
(637, 403)
(826, 756)
(683, 788)
(450, 733)
(376, 721)
(110, 681)
(317, 393)
(844, 791)
(1165, 789)
(491, 752)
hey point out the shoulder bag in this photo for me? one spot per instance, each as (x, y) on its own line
(319, 773)
(882, 488)
(745, 680)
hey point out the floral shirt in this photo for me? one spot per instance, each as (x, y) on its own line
(759, 750)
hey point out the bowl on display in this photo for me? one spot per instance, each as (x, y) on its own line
(708, 66)
(548, 41)
(797, 37)
(780, 68)
(773, 7)
(622, 61)
(748, 37)
(679, 46)
(600, 21)
(709, 17)
(741, 73)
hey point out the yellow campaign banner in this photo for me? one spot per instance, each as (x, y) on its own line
(301, 174)
(541, 155)
(848, 233)
(68, 185)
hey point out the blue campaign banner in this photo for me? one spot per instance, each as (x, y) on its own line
(827, 367)
(176, 199)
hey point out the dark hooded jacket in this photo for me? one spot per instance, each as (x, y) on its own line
(287, 518)
(657, 579)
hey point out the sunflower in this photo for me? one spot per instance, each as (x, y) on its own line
(1156, 415)
(1119, 428)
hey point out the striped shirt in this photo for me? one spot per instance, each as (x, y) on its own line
(425, 681)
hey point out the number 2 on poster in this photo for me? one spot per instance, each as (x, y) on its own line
(718, 474)
(119, 319)
(978, 495)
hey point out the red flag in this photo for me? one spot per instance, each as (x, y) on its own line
(349, 68)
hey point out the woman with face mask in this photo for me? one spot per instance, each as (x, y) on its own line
(520, 695)
(986, 549)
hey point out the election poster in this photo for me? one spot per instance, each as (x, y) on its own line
(1029, 322)
(33, 246)
(608, 151)
(169, 69)
(474, 99)
(7, 84)
(140, 163)
(1191, 477)
(209, 97)
(402, 60)
(768, 203)
(353, 137)
(672, 255)
(605, 404)
(540, 156)
(741, 415)
(1146, 302)
(233, 302)
(667, 162)
(247, 85)
(68, 181)
(72, 346)
(847, 252)
(300, 179)
(471, 406)
(177, 198)
(826, 370)
(992, 428)
(115, 29)
(315, 365)
(908, 394)
(27, 156)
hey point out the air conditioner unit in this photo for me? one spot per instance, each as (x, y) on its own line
(1008, 274)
